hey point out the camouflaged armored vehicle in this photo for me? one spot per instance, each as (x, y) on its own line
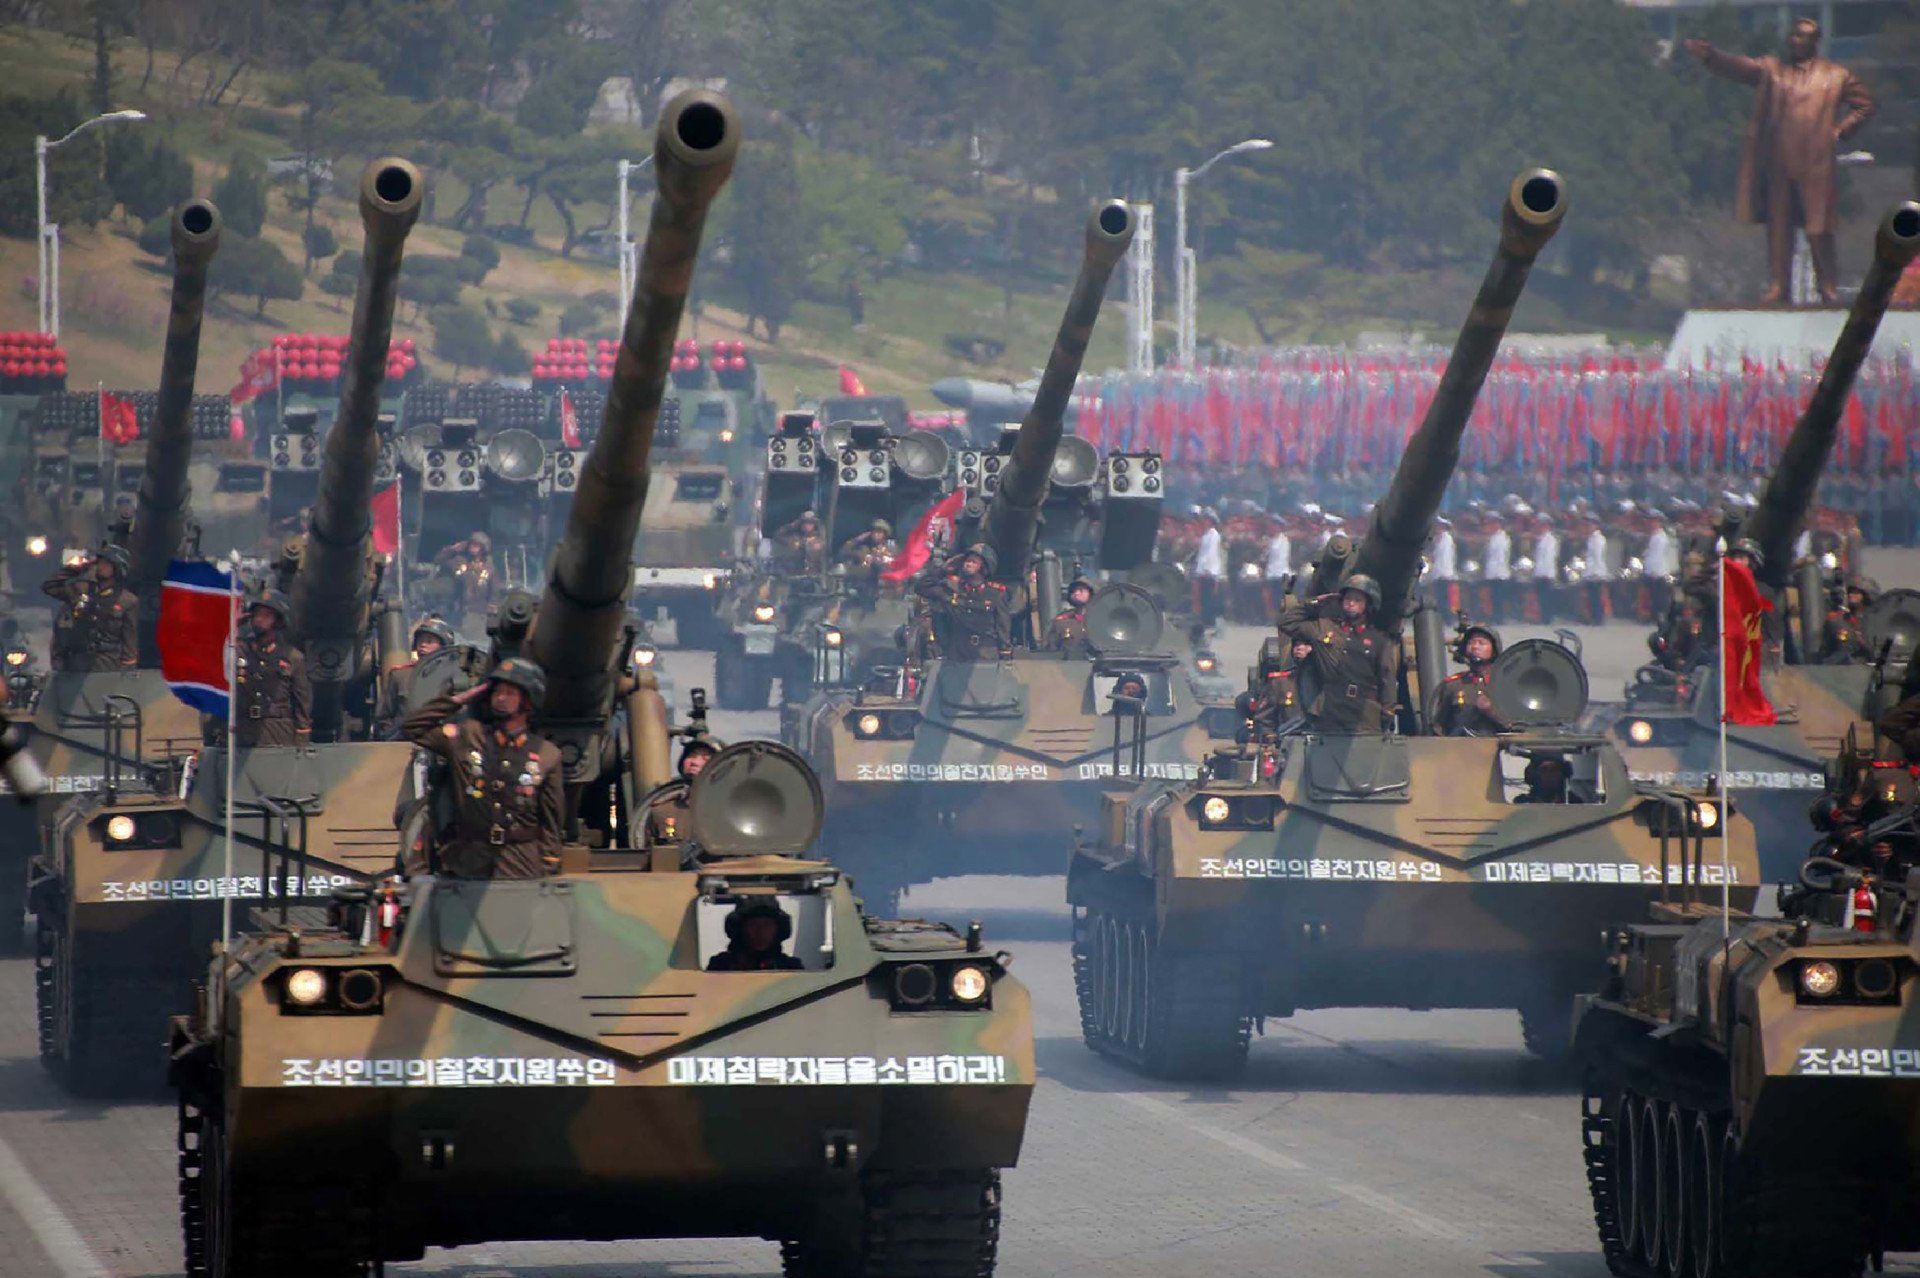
(1308, 870)
(123, 729)
(457, 1061)
(1753, 1084)
(1669, 731)
(979, 756)
(130, 884)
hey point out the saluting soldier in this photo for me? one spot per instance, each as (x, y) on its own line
(93, 630)
(1067, 632)
(669, 816)
(1353, 660)
(275, 699)
(504, 780)
(1462, 706)
(799, 542)
(1843, 640)
(972, 615)
(871, 550)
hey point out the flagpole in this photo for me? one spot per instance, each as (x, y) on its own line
(228, 885)
(1726, 891)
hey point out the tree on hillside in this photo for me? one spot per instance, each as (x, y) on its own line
(767, 245)
(255, 268)
(147, 180)
(76, 195)
(461, 338)
(242, 195)
(320, 243)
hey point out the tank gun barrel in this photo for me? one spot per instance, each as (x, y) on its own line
(1390, 552)
(161, 516)
(577, 632)
(1014, 513)
(1784, 503)
(332, 593)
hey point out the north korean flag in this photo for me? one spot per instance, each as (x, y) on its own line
(196, 634)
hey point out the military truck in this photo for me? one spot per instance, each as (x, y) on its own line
(123, 728)
(133, 883)
(1305, 869)
(1669, 731)
(1752, 1084)
(561, 1057)
(981, 757)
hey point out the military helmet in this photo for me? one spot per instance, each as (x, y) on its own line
(433, 626)
(1079, 583)
(486, 542)
(275, 600)
(1865, 585)
(524, 675)
(1751, 549)
(1541, 761)
(882, 526)
(1470, 629)
(1365, 585)
(805, 515)
(117, 556)
(762, 907)
(988, 560)
(702, 745)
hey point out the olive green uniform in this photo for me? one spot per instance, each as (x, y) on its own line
(509, 808)
(94, 627)
(275, 698)
(972, 618)
(1067, 632)
(1463, 706)
(669, 817)
(1354, 664)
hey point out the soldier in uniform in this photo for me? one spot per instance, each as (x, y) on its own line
(1353, 660)
(669, 814)
(972, 615)
(430, 635)
(1546, 778)
(93, 629)
(275, 700)
(1843, 640)
(797, 544)
(1462, 706)
(870, 551)
(1067, 632)
(469, 562)
(756, 930)
(504, 781)
(1279, 700)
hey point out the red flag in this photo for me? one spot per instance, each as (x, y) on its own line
(919, 548)
(1741, 608)
(569, 421)
(850, 383)
(119, 424)
(386, 520)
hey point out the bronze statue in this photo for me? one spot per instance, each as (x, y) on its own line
(1803, 105)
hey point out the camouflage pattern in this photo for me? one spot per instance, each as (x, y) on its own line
(556, 1058)
(120, 931)
(1793, 1116)
(1669, 730)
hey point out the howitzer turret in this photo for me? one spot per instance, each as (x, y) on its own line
(161, 519)
(1783, 507)
(1014, 513)
(577, 632)
(332, 593)
(1390, 551)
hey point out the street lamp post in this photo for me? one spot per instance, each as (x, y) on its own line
(1185, 286)
(46, 234)
(628, 269)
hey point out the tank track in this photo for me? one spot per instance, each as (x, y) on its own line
(43, 992)
(278, 1231)
(1790, 1228)
(1170, 1015)
(119, 1025)
(914, 1225)
(13, 907)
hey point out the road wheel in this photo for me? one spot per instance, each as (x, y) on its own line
(1701, 1175)
(1648, 1176)
(1626, 1173)
(1675, 1139)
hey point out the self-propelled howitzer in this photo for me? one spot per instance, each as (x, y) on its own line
(577, 637)
(160, 520)
(1390, 552)
(1013, 515)
(333, 592)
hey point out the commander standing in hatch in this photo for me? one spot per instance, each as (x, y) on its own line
(509, 808)
(1353, 660)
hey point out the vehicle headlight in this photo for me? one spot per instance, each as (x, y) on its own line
(306, 987)
(36, 545)
(969, 984)
(868, 725)
(1819, 979)
(1250, 570)
(832, 638)
(726, 434)
(16, 656)
(121, 829)
(709, 581)
(645, 654)
(1216, 810)
(1640, 732)
(1205, 665)
(1829, 561)
(1707, 814)
(763, 612)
